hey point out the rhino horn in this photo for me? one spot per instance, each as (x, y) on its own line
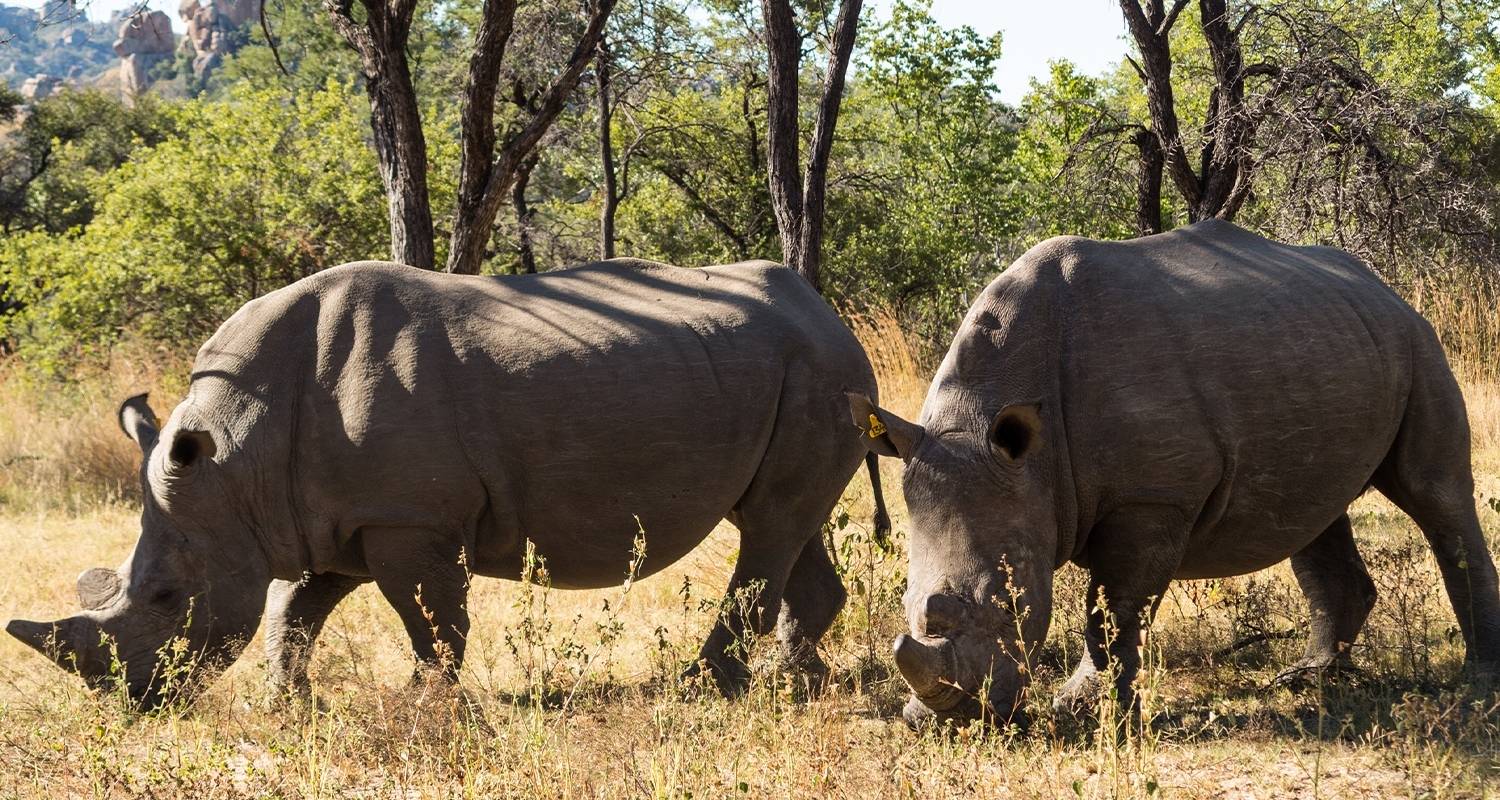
(922, 667)
(59, 641)
(97, 587)
(44, 637)
(139, 422)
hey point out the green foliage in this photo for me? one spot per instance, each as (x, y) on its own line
(926, 199)
(67, 142)
(10, 103)
(160, 219)
(254, 192)
(1075, 178)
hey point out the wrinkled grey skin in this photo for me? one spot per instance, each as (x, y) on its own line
(376, 422)
(1197, 404)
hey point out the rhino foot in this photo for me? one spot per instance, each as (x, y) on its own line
(1078, 697)
(1313, 671)
(730, 675)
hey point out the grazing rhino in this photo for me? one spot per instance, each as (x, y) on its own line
(1197, 404)
(377, 422)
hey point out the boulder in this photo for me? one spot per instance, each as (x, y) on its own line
(208, 27)
(144, 41)
(40, 86)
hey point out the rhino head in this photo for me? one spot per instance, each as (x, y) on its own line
(983, 533)
(191, 592)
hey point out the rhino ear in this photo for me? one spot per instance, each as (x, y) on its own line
(190, 447)
(139, 422)
(1017, 430)
(883, 432)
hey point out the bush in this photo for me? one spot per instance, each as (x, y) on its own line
(254, 192)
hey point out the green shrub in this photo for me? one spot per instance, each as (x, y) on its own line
(254, 192)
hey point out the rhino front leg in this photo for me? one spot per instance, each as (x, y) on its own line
(1131, 556)
(295, 613)
(1339, 594)
(425, 577)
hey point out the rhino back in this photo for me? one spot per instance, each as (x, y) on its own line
(564, 408)
(1253, 385)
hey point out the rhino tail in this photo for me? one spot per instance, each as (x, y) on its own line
(882, 519)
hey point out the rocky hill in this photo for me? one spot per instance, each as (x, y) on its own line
(41, 48)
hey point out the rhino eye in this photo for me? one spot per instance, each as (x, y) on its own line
(165, 598)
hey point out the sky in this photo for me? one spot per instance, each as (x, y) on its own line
(1090, 33)
(1087, 32)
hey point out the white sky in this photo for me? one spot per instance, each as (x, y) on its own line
(1088, 32)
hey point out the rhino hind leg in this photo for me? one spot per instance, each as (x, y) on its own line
(756, 585)
(1429, 476)
(1339, 595)
(424, 575)
(814, 596)
(295, 613)
(808, 461)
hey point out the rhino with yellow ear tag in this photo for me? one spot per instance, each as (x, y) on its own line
(1197, 404)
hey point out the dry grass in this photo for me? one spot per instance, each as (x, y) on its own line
(60, 444)
(613, 722)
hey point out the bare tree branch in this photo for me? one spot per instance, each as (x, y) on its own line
(471, 229)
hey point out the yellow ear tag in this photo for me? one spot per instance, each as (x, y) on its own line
(877, 428)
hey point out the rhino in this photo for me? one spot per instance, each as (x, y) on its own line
(1196, 404)
(375, 422)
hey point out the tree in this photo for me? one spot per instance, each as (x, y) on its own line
(645, 51)
(922, 205)
(1224, 159)
(485, 175)
(799, 197)
(1352, 118)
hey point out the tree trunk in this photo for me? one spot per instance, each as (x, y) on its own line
(815, 184)
(402, 152)
(1148, 183)
(1221, 183)
(525, 215)
(611, 198)
(479, 200)
(799, 199)
(395, 121)
(784, 50)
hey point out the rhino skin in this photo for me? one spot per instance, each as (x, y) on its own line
(1196, 404)
(378, 422)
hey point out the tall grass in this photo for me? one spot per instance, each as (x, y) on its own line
(61, 445)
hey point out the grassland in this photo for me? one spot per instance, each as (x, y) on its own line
(573, 694)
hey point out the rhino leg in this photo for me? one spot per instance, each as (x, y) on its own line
(813, 598)
(1339, 595)
(1429, 476)
(295, 613)
(424, 576)
(756, 586)
(1131, 556)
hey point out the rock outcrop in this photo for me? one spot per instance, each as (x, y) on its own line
(40, 87)
(145, 40)
(209, 28)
